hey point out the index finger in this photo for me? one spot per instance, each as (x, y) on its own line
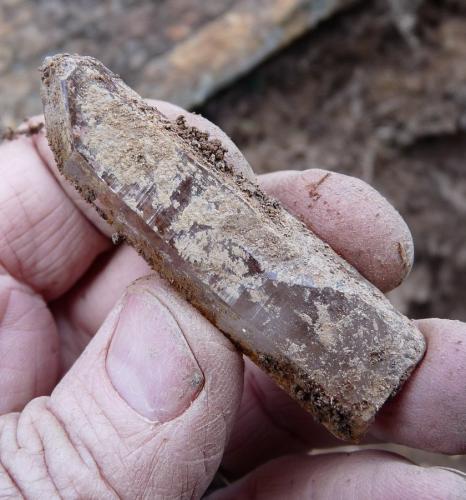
(352, 217)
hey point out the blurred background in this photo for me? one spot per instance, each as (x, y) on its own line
(375, 89)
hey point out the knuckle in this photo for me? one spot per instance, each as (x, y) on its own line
(39, 458)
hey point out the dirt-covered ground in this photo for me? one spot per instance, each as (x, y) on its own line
(361, 96)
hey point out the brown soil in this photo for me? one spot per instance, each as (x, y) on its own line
(29, 130)
(210, 149)
(359, 97)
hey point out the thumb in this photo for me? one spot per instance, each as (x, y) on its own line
(144, 412)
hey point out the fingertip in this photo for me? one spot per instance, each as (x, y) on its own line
(352, 217)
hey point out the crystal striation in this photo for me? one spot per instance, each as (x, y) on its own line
(283, 297)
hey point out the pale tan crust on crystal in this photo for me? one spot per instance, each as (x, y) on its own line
(285, 298)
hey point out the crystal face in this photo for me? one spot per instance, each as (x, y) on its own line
(285, 298)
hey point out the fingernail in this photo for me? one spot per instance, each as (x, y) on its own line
(150, 362)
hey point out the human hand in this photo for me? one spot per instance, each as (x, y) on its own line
(156, 398)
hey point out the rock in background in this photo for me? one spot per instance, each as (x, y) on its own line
(177, 50)
(125, 34)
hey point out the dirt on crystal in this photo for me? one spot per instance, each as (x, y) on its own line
(210, 149)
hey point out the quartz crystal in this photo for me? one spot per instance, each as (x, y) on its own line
(284, 298)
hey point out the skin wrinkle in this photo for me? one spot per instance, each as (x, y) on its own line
(45, 240)
(157, 456)
(204, 440)
(88, 425)
(38, 453)
(44, 219)
(205, 429)
(5, 473)
(24, 314)
(2, 466)
(12, 253)
(205, 426)
(98, 409)
(143, 442)
(138, 437)
(49, 474)
(6, 300)
(225, 433)
(61, 257)
(76, 448)
(5, 238)
(26, 390)
(68, 229)
(207, 458)
(185, 488)
(194, 489)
